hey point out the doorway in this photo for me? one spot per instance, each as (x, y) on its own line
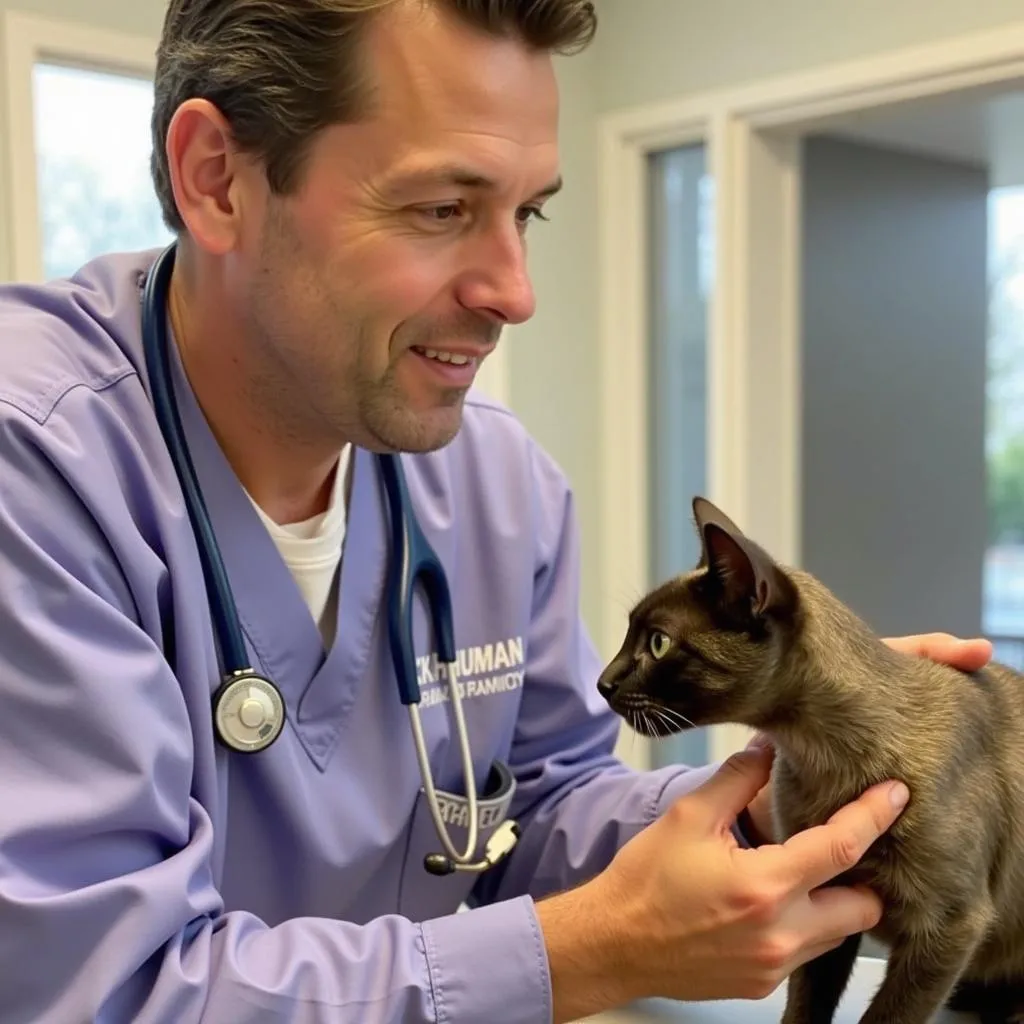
(912, 364)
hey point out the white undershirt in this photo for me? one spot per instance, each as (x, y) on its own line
(312, 551)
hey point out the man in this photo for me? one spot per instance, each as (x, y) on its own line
(351, 182)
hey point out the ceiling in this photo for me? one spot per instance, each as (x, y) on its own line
(986, 130)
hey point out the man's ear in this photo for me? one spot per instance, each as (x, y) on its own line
(209, 176)
(745, 576)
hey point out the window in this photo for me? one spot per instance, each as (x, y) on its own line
(1003, 618)
(79, 101)
(93, 148)
(681, 259)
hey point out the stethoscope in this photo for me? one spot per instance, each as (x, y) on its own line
(249, 711)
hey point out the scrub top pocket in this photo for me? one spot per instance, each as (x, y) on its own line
(422, 895)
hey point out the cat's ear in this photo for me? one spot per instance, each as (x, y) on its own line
(742, 572)
(705, 514)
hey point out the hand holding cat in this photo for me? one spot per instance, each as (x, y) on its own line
(684, 912)
(966, 655)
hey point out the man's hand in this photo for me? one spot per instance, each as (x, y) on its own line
(966, 655)
(684, 912)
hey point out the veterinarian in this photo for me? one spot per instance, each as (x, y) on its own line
(231, 738)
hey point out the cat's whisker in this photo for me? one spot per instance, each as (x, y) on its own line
(662, 717)
(651, 728)
(632, 730)
(631, 720)
(671, 714)
(648, 711)
(635, 720)
(670, 725)
(645, 720)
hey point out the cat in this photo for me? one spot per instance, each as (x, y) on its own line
(744, 640)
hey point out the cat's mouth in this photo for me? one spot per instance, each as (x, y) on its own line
(649, 718)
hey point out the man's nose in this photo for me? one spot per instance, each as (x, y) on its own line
(500, 287)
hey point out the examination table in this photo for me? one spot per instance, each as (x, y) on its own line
(866, 978)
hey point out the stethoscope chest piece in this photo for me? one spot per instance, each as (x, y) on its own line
(248, 712)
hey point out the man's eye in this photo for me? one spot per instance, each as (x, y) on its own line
(528, 213)
(445, 212)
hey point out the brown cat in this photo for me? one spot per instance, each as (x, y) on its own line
(743, 640)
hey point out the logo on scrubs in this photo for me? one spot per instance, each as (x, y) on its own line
(477, 671)
(490, 813)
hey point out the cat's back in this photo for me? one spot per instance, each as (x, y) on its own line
(957, 740)
(961, 839)
(963, 752)
(1002, 683)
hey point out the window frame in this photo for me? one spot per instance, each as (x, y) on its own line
(29, 40)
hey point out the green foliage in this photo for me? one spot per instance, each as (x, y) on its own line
(1005, 427)
(1006, 493)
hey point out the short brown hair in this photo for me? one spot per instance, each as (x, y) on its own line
(282, 70)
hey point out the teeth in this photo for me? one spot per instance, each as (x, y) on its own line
(445, 357)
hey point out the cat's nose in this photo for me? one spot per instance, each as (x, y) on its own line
(607, 688)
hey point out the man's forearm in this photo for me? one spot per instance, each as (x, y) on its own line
(584, 953)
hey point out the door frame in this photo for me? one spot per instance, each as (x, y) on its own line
(753, 137)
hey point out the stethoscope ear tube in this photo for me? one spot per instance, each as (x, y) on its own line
(248, 710)
(157, 350)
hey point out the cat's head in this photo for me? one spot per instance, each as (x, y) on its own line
(705, 648)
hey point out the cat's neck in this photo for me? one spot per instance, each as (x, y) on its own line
(826, 734)
(854, 702)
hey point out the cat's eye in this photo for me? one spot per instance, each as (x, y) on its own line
(659, 644)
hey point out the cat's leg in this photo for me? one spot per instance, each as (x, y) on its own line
(922, 971)
(815, 988)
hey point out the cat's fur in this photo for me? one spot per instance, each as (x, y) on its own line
(744, 640)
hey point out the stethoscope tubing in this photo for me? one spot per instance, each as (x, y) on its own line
(224, 613)
(412, 558)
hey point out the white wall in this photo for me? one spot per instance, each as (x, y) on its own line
(554, 358)
(657, 49)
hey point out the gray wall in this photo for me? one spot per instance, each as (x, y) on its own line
(894, 333)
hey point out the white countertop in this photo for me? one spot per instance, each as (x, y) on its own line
(866, 978)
